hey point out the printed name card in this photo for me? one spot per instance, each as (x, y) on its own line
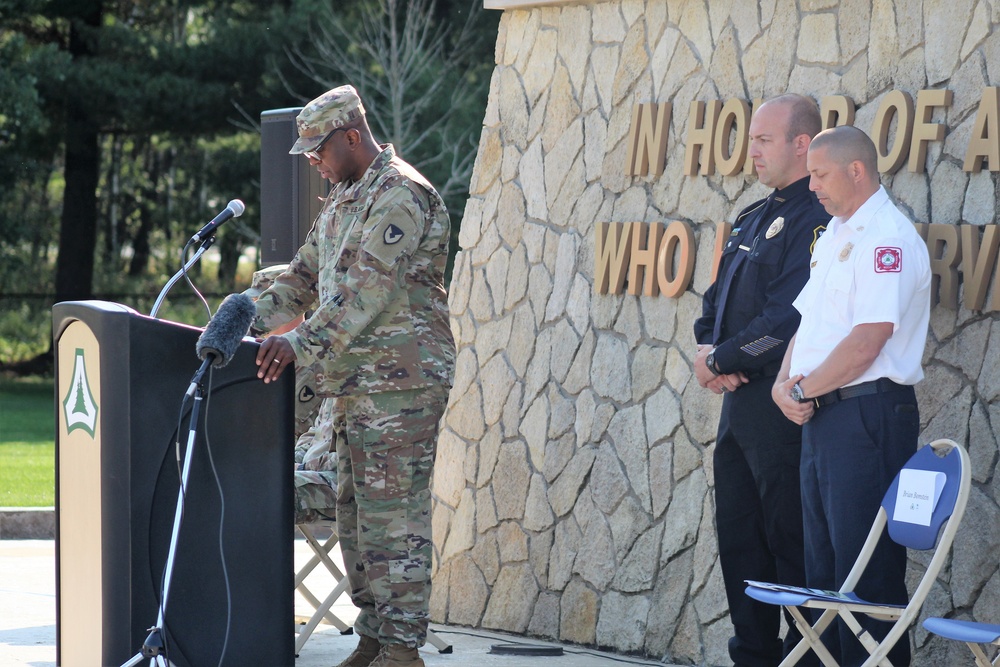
(918, 495)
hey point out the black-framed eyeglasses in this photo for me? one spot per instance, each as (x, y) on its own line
(314, 153)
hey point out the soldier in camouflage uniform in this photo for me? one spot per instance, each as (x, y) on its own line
(315, 474)
(379, 342)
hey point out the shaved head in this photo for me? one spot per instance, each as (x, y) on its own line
(846, 144)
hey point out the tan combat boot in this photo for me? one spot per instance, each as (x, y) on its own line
(398, 655)
(364, 655)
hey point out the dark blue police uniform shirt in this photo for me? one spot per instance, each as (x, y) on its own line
(760, 274)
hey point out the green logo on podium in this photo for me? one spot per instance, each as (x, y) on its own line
(79, 405)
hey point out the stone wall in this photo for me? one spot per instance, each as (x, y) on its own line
(573, 488)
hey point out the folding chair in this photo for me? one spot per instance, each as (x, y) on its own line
(933, 530)
(304, 626)
(973, 634)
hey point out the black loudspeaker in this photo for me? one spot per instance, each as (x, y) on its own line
(121, 382)
(291, 191)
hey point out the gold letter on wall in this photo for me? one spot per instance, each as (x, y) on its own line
(648, 139)
(946, 253)
(836, 110)
(977, 260)
(985, 140)
(924, 131)
(611, 252)
(701, 128)
(678, 239)
(643, 258)
(735, 115)
(899, 104)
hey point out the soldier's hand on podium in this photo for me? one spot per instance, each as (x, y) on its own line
(274, 355)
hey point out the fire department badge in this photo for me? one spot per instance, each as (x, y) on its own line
(845, 252)
(888, 260)
(775, 227)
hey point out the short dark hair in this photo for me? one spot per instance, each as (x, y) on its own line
(803, 115)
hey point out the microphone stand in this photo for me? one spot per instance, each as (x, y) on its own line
(205, 245)
(154, 646)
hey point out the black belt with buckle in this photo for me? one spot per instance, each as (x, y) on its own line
(879, 386)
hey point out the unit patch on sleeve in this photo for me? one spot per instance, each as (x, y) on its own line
(888, 260)
(392, 234)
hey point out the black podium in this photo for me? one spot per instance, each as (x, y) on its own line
(120, 381)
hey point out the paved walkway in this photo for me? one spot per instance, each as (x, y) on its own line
(28, 632)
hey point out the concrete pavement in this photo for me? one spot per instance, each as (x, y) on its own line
(28, 631)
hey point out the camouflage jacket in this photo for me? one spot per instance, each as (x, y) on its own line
(371, 271)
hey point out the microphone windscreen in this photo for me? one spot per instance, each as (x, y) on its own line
(221, 338)
(237, 207)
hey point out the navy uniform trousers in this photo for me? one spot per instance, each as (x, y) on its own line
(851, 451)
(758, 517)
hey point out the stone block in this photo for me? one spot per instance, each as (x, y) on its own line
(545, 617)
(975, 550)
(628, 433)
(510, 480)
(512, 599)
(669, 598)
(683, 515)
(622, 621)
(639, 568)
(462, 535)
(538, 514)
(607, 479)
(578, 613)
(449, 468)
(468, 592)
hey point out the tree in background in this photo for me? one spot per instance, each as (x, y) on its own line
(137, 80)
(424, 80)
(124, 127)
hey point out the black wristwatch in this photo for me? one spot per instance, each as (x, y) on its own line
(710, 362)
(797, 395)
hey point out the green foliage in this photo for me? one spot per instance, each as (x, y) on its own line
(27, 451)
(27, 474)
(174, 89)
(24, 331)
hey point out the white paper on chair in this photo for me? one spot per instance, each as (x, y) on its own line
(918, 495)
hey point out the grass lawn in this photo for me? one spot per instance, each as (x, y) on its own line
(27, 443)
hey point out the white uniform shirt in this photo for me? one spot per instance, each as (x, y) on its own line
(872, 267)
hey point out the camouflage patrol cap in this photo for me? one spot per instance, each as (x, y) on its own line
(334, 108)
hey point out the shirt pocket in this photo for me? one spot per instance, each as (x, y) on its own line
(838, 291)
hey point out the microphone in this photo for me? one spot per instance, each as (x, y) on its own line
(222, 336)
(234, 209)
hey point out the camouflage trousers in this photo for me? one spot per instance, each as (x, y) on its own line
(385, 455)
(315, 476)
(315, 496)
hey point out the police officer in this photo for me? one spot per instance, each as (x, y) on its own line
(848, 376)
(378, 339)
(742, 334)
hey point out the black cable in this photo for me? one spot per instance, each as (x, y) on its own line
(187, 279)
(222, 518)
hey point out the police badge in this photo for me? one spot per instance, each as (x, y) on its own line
(776, 226)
